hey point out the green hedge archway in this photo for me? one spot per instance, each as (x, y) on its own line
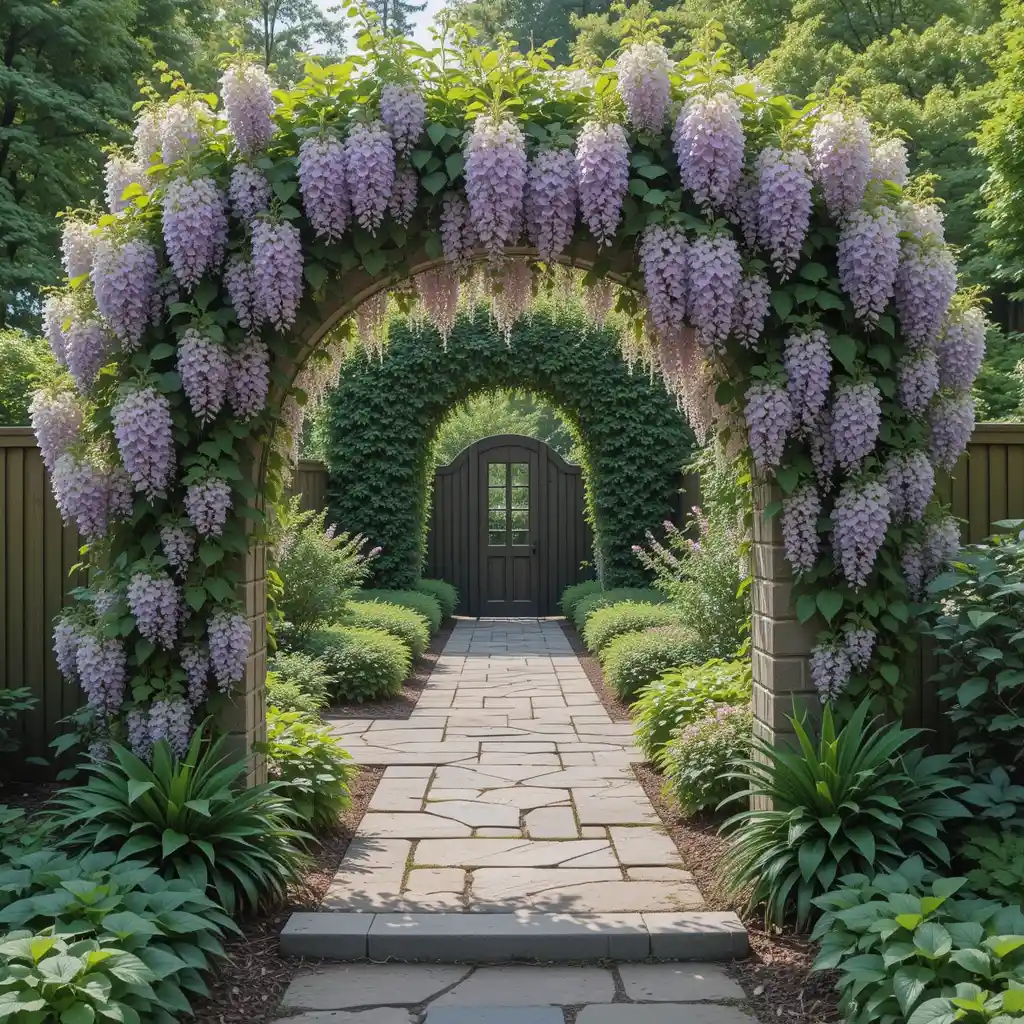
(383, 417)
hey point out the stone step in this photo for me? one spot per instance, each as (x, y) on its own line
(522, 936)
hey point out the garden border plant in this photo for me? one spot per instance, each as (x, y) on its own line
(383, 417)
(794, 290)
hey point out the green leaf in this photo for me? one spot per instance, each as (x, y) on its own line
(375, 261)
(137, 788)
(210, 553)
(80, 1013)
(806, 607)
(934, 1011)
(829, 603)
(845, 350)
(316, 275)
(433, 183)
(813, 272)
(979, 617)
(60, 969)
(971, 691)
(436, 132)
(908, 984)
(454, 164)
(196, 597)
(787, 477)
(932, 940)
(172, 841)
(143, 650)
(782, 303)
(655, 197)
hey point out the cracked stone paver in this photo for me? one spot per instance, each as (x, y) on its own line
(509, 788)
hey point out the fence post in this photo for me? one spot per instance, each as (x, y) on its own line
(781, 644)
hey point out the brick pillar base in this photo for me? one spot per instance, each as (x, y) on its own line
(245, 719)
(781, 645)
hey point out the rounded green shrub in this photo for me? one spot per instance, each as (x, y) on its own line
(589, 604)
(572, 596)
(297, 682)
(443, 592)
(429, 607)
(605, 624)
(684, 694)
(698, 759)
(408, 626)
(633, 660)
(364, 664)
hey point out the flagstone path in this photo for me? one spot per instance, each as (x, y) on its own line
(508, 824)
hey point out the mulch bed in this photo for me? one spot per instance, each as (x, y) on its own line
(248, 986)
(617, 710)
(400, 706)
(777, 976)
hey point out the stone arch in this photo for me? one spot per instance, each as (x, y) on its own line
(634, 438)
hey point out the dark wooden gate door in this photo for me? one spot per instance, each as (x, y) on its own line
(508, 527)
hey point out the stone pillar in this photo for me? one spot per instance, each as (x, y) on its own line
(245, 719)
(781, 645)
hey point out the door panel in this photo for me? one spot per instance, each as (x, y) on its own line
(513, 484)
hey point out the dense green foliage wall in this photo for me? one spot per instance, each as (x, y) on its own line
(383, 418)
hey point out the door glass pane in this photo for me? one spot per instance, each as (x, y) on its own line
(520, 474)
(520, 497)
(521, 519)
(496, 538)
(496, 519)
(521, 538)
(496, 472)
(495, 497)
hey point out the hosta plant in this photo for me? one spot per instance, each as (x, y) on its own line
(310, 766)
(858, 799)
(981, 635)
(908, 950)
(47, 978)
(682, 695)
(995, 863)
(172, 927)
(190, 819)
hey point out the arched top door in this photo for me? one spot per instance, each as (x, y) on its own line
(508, 527)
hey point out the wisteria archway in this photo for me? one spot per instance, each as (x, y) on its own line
(793, 289)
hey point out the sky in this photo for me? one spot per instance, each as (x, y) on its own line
(421, 21)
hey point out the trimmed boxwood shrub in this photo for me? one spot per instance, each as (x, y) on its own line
(572, 596)
(427, 606)
(633, 660)
(297, 682)
(605, 624)
(603, 599)
(443, 592)
(364, 664)
(684, 694)
(383, 416)
(408, 626)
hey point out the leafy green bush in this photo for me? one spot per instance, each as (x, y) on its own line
(47, 978)
(364, 664)
(853, 801)
(682, 695)
(908, 952)
(172, 928)
(310, 766)
(443, 592)
(403, 623)
(697, 759)
(998, 865)
(427, 606)
(633, 660)
(589, 604)
(25, 360)
(297, 682)
(572, 596)
(605, 624)
(981, 637)
(319, 569)
(703, 570)
(993, 797)
(189, 819)
(12, 704)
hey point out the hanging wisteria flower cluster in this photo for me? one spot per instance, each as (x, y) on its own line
(787, 292)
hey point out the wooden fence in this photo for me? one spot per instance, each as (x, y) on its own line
(37, 553)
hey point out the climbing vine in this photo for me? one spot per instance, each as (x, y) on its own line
(383, 417)
(783, 275)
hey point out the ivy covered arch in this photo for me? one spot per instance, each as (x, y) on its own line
(383, 417)
(781, 273)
